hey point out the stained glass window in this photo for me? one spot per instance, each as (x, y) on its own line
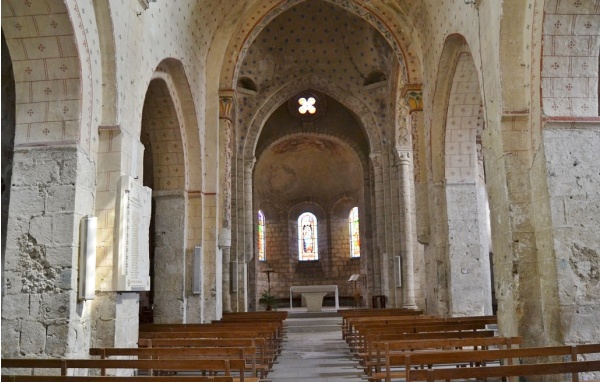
(307, 105)
(354, 233)
(262, 256)
(307, 237)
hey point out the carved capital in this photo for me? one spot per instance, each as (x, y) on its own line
(227, 100)
(404, 156)
(413, 94)
(376, 159)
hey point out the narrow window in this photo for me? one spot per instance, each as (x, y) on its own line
(354, 233)
(262, 256)
(307, 237)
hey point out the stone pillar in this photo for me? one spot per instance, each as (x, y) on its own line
(468, 252)
(226, 107)
(52, 188)
(420, 201)
(194, 307)
(380, 268)
(567, 188)
(169, 257)
(246, 255)
(410, 103)
(406, 249)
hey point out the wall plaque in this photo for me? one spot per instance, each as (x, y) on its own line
(132, 227)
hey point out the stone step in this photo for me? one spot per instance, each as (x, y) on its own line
(314, 325)
(314, 329)
(304, 314)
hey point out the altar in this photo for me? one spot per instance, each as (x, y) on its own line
(313, 294)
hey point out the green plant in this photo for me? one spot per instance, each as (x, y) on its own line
(268, 299)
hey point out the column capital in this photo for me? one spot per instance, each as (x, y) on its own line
(376, 158)
(413, 93)
(249, 163)
(227, 99)
(404, 155)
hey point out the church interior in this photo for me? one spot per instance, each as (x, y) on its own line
(170, 162)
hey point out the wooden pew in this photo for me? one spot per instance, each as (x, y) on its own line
(76, 378)
(402, 366)
(229, 367)
(278, 314)
(380, 351)
(349, 328)
(215, 326)
(370, 338)
(359, 341)
(262, 355)
(256, 319)
(573, 367)
(346, 314)
(357, 324)
(271, 347)
(246, 353)
(272, 332)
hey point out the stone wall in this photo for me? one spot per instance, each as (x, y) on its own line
(333, 267)
(41, 314)
(573, 178)
(468, 253)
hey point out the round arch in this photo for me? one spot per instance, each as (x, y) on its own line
(453, 46)
(172, 72)
(250, 137)
(261, 16)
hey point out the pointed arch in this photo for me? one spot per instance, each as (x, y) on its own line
(250, 137)
(256, 19)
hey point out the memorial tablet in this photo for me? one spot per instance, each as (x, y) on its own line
(132, 226)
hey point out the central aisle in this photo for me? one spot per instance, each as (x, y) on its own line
(314, 350)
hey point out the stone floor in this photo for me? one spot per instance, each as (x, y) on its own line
(314, 351)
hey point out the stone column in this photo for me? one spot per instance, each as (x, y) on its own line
(380, 279)
(169, 257)
(115, 315)
(406, 246)
(226, 106)
(420, 215)
(247, 253)
(411, 102)
(52, 188)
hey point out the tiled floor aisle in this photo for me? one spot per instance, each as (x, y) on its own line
(314, 351)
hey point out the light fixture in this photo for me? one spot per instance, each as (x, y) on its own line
(469, 2)
(87, 257)
(197, 271)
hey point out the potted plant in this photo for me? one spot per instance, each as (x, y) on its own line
(268, 299)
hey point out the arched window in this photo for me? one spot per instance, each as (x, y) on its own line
(308, 248)
(262, 256)
(354, 233)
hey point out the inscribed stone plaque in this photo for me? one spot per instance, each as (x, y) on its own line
(132, 227)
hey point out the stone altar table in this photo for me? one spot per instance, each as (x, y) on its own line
(314, 295)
